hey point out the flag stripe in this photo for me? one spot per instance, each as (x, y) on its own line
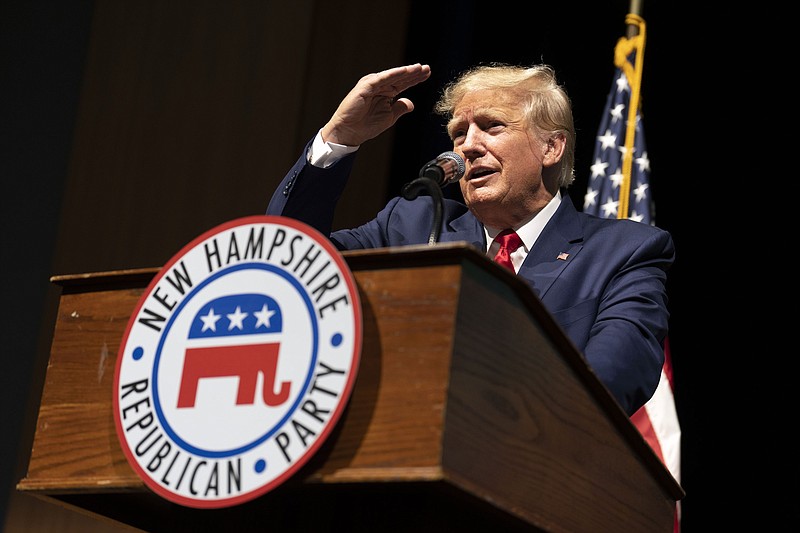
(657, 422)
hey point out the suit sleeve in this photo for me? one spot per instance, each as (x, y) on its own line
(625, 347)
(310, 194)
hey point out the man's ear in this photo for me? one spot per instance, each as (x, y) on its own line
(555, 149)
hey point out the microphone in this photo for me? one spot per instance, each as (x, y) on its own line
(447, 168)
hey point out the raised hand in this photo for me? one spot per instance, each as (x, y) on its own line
(374, 105)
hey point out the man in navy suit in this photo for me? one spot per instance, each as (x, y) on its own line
(603, 280)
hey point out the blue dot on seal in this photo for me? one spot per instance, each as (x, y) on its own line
(336, 340)
(138, 353)
(260, 466)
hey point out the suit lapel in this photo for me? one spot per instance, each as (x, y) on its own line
(560, 242)
(465, 228)
(558, 245)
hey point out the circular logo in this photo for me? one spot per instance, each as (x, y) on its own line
(237, 362)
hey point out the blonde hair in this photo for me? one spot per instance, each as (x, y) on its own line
(547, 107)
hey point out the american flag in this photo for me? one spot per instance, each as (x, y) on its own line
(619, 187)
(607, 183)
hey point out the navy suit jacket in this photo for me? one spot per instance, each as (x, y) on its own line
(608, 295)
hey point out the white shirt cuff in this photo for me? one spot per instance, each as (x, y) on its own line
(325, 154)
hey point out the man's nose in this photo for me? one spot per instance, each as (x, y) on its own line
(473, 142)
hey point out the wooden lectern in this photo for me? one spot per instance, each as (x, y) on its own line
(449, 426)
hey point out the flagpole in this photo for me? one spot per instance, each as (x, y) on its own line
(635, 9)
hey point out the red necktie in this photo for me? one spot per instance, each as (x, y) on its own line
(509, 241)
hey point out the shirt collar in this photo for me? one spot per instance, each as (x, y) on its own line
(529, 231)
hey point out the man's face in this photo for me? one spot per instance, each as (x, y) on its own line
(503, 181)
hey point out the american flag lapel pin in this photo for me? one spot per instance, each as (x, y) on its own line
(562, 256)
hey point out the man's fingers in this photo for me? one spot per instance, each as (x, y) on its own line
(401, 106)
(394, 81)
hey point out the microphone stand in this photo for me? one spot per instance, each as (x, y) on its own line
(412, 189)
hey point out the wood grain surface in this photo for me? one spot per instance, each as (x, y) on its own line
(464, 382)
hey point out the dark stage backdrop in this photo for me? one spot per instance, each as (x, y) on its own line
(129, 128)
